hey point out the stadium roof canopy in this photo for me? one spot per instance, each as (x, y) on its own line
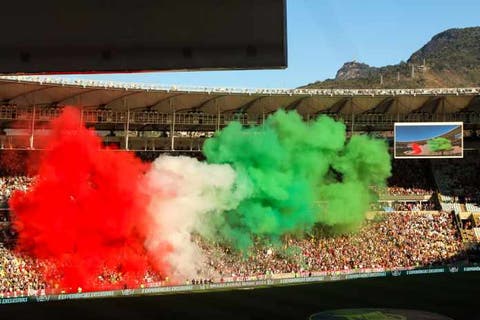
(47, 92)
(51, 36)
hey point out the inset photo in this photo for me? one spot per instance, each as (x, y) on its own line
(428, 140)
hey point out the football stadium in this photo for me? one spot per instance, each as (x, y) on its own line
(348, 198)
(128, 190)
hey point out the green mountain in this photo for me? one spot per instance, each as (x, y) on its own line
(450, 59)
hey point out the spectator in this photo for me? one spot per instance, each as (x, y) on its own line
(399, 240)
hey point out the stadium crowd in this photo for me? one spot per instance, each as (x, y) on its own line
(391, 240)
(10, 184)
(459, 177)
(399, 239)
(414, 178)
(399, 191)
(413, 206)
(19, 273)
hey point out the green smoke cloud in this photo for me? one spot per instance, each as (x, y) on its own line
(439, 144)
(293, 175)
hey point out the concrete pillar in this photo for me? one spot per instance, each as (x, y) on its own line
(32, 133)
(172, 129)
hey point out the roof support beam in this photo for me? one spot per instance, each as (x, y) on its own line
(123, 97)
(204, 103)
(472, 105)
(428, 102)
(76, 95)
(294, 104)
(245, 107)
(336, 107)
(383, 106)
(160, 101)
(25, 94)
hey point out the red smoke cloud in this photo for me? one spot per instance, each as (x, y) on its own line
(86, 211)
(416, 148)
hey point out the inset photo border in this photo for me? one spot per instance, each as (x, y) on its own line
(414, 140)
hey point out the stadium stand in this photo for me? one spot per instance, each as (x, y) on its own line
(411, 177)
(458, 178)
(407, 237)
(472, 208)
(449, 207)
(413, 224)
(19, 274)
(9, 184)
(397, 240)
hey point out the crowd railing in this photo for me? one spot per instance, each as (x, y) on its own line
(14, 113)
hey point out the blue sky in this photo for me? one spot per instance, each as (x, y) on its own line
(323, 34)
(421, 132)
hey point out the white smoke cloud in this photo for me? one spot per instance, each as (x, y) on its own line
(186, 193)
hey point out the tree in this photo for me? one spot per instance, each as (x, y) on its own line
(439, 144)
